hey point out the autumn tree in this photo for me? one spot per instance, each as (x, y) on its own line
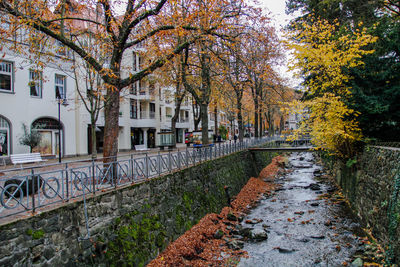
(117, 30)
(374, 84)
(91, 96)
(321, 58)
(199, 85)
(171, 75)
(234, 73)
(262, 53)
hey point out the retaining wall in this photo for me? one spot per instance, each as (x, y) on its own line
(373, 188)
(129, 226)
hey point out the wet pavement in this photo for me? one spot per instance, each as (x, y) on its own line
(306, 220)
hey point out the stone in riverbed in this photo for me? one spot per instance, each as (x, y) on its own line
(231, 217)
(284, 250)
(259, 235)
(313, 186)
(246, 232)
(357, 263)
(235, 244)
(218, 234)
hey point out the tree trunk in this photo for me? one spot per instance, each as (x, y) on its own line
(93, 134)
(216, 120)
(281, 124)
(175, 117)
(111, 129)
(256, 117)
(240, 121)
(232, 133)
(260, 119)
(196, 117)
(204, 123)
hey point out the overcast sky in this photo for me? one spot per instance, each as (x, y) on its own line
(277, 9)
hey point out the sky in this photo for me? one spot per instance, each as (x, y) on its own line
(280, 20)
(277, 9)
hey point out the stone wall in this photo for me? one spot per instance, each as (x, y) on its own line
(131, 225)
(372, 186)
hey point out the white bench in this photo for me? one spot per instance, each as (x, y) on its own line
(141, 148)
(4, 160)
(26, 158)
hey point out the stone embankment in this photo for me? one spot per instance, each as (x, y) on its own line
(373, 187)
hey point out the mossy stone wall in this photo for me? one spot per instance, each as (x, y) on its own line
(129, 226)
(373, 188)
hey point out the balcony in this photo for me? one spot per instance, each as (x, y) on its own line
(147, 115)
(183, 120)
(145, 119)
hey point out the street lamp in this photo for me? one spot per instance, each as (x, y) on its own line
(61, 101)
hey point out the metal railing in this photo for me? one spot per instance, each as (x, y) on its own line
(30, 189)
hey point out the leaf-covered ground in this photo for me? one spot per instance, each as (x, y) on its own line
(206, 243)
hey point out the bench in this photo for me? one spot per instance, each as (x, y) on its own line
(141, 148)
(26, 158)
(4, 160)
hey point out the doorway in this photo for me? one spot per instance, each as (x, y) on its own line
(151, 140)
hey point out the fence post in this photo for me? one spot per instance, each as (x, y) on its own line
(33, 190)
(93, 178)
(159, 163)
(131, 163)
(179, 160)
(187, 157)
(147, 166)
(66, 180)
(200, 153)
(169, 161)
(115, 165)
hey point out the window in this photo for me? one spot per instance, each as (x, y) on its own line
(134, 62)
(35, 83)
(142, 90)
(137, 62)
(6, 76)
(60, 86)
(140, 62)
(133, 109)
(133, 90)
(152, 110)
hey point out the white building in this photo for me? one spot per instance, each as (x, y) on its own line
(29, 96)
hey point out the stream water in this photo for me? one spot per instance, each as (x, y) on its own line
(306, 221)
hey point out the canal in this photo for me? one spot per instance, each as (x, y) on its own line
(307, 222)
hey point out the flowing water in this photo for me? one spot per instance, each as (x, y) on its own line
(307, 222)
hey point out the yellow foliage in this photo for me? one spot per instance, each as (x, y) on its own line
(321, 56)
(329, 122)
